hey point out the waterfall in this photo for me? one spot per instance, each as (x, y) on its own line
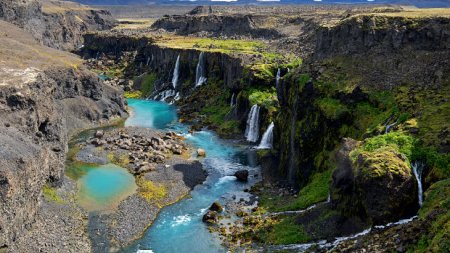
(417, 168)
(329, 197)
(277, 79)
(177, 96)
(232, 102)
(148, 61)
(176, 73)
(200, 71)
(163, 95)
(267, 139)
(252, 130)
(388, 127)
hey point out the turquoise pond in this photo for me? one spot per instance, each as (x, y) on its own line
(179, 227)
(103, 187)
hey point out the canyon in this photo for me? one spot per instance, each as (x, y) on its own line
(344, 107)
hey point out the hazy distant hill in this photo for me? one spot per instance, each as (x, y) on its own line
(421, 3)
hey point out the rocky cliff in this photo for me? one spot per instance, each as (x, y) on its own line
(45, 97)
(57, 24)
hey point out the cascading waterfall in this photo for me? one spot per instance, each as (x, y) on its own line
(165, 95)
(277, 79)
(177, 96)
(388, 127)
(417, 168)
(148, 61)
(267, 139)
(252, 130)
(232, 102)
(200, 71)
(176, 73)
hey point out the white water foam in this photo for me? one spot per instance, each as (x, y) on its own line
(181, 220)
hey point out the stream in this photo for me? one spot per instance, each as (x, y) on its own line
(179, 227)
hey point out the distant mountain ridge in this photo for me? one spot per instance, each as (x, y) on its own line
(419, 3)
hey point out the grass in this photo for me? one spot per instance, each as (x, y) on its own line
(285, 231)
(314, 192)
(213, 45)
(50, 194)
(134, 23)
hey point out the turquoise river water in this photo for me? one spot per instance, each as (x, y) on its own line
(179, 227)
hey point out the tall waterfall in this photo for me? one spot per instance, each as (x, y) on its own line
(200, 71)
(277, 79)
(252, 130)
(232, 102)
(417, 168)
(176, 73)
(267, 139)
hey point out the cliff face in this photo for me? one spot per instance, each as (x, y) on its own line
(361, 33)
(216, 25)
(40, 107)
(57, 24)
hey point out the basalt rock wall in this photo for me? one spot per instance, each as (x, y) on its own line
(36, 121)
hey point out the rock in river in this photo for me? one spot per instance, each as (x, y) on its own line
(241, 175)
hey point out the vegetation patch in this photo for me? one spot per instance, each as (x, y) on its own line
(285, 231)
(398, 141)
(332, 108)
(50, 194)
(133, 94)
(314, 192)
(121, 160)
(436, 209)
(150, 191)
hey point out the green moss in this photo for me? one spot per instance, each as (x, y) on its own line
(384, 160)
(133, 94)
(147, 84)
(398, 141)
(151, 191)
(332, 108)
(315, 191)
(50, 194)
(227, 46)
(284, 232)
(436, 209)
(439, 163)
(121, 160)
(263, 71)
(266, 98)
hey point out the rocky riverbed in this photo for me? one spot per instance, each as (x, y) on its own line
(164, 174)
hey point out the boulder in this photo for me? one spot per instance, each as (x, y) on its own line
(210, 217)
(241, 175)
(201, 152)
(99, 134)
(376, 185)
(216, 206)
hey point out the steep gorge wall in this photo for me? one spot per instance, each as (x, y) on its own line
(36, 121)
(58, 24)
(237, 25)
(226, 73)
(353, 61)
